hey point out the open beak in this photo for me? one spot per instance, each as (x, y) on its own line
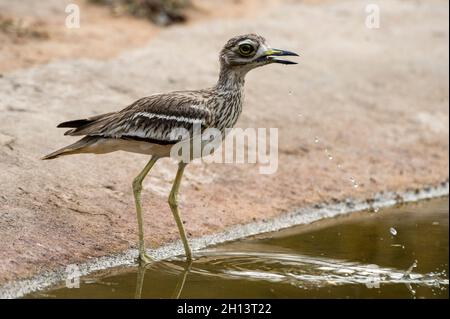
(271, 55)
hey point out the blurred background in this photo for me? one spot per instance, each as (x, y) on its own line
(35, 32)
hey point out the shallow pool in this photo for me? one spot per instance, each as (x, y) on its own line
(400, 252)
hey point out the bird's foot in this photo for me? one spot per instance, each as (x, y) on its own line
(145, 259)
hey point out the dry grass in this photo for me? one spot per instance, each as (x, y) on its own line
(160, 12)
(19, 28)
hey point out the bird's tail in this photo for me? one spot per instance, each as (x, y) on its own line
(75, 148)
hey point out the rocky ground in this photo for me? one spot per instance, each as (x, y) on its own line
(365, 111)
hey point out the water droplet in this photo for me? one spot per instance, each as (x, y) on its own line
(410, 269)
(355, 184)
(290, 92)
(411, 290)
(316, 139)
(330, 157)
(339, 166)
(393, 231)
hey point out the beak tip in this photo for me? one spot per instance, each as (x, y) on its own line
(274, 53)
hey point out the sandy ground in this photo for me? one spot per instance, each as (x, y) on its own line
(373, 100)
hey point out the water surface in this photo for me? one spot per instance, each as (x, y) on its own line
(399, 252)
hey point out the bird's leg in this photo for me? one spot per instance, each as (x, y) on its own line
(173, 203)
(137, 188)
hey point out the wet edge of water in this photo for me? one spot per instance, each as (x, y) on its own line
(300, 216)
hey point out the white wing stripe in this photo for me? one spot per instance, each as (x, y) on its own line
(168, 117)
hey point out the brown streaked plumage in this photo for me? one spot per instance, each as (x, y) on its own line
(147, 125)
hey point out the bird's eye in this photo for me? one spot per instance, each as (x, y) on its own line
(246, 49)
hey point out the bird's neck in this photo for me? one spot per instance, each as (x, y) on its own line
(230, 79)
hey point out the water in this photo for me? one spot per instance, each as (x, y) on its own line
(355, 256)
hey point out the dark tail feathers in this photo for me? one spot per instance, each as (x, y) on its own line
(74, 148)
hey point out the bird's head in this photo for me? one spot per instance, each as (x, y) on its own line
(246, 52)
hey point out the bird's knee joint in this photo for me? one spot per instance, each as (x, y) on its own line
(173, 200)
(137, 184)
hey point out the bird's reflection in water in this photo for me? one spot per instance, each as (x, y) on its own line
(180, 285)
(142, 268)
(140, 280)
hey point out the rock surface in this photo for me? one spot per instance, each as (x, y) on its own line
(366, 110)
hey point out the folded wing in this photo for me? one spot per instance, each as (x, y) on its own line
(160, 118)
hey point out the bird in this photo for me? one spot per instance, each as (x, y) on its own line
(147, 125)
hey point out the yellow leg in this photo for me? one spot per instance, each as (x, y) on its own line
(173, 203)
(137, 188)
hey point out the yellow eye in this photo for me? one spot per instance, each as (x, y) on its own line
(246, 49)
